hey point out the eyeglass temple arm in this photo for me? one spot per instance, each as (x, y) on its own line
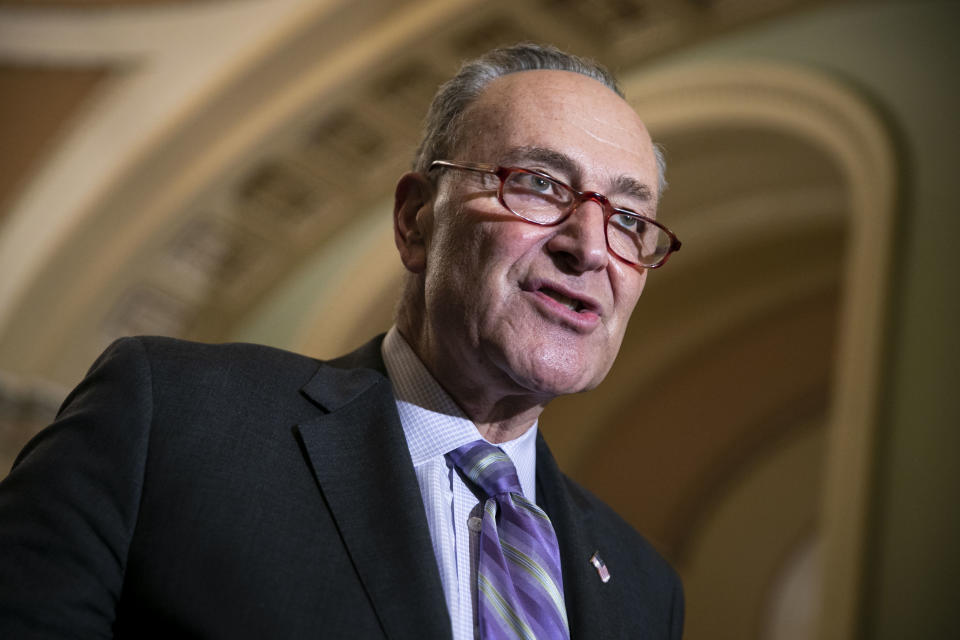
(470, 166)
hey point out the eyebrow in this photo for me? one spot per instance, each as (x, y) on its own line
(632, 187)
(550, 158)
(564, 164)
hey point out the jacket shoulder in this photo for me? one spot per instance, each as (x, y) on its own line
(174, 351)
(187, 362)
(179, 379)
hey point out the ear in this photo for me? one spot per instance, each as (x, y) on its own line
(412, 214)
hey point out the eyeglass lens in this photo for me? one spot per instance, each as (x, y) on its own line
(544, 201)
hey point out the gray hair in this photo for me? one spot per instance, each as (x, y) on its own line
(442, 128)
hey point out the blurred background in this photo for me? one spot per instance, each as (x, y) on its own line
(782, 421)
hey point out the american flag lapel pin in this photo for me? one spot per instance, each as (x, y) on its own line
(600, 566)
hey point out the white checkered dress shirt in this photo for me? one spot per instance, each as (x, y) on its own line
(434, 425)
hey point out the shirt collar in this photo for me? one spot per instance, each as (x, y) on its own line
(433, 423)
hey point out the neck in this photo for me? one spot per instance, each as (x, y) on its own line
(498, 410)
(502, 424)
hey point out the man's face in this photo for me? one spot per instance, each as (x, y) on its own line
(499, 290)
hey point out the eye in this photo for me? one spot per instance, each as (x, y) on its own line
(628, 223)
(536, 184)
(541, 184)
(526, 190)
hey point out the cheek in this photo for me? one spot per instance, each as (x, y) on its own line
(638, 282)
(457, 280)
(628, 284)
(451, 248)
(485, 256)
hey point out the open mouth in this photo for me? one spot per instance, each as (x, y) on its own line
(568, 302)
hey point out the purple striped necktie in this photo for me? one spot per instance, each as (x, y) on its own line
(519, 585)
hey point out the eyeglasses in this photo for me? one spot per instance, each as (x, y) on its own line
(541, 199)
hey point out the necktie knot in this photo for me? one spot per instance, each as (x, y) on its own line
(488, 467)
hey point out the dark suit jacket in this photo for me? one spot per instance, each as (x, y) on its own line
(239, 491)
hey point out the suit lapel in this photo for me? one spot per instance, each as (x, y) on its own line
(360, 459)
(582, 588)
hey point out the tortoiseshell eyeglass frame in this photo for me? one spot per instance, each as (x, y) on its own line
(579, 197)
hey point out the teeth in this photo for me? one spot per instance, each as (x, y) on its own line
(569, 303)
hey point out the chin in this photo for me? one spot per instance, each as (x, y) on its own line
(554, 387)
(553, 379)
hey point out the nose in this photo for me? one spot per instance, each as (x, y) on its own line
(581, 239)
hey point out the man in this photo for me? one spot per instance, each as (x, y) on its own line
(238, 491)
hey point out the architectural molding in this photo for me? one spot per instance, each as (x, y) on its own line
(827, 113)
